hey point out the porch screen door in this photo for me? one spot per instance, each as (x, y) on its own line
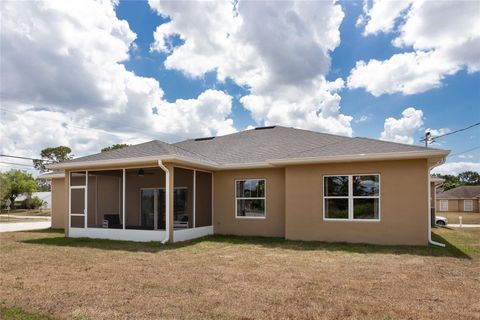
(77, 207)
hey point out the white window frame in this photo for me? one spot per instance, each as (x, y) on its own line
(443, 205)
(264, 198)
(351, 197)
(465, 201)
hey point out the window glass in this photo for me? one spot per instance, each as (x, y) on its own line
(251, 208)
(336, 186)
(364, 208)
(250, 198)
(365, 185)
(336, 208)
(352, 197)
(468, 205)
(251, 188)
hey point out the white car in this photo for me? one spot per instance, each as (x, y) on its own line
(441, 221)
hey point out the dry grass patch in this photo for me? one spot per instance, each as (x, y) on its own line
(238, 278)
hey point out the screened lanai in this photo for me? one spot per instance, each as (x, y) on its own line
(141, 204)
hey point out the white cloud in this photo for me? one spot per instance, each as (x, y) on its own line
(66, 57)
(457, 167)
(442, 37)
(382, 15)
(408, 73)
(403, 130)
(465, 156)
(361, 119)
(279, 51)
(438, 132)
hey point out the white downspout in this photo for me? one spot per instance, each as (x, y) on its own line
(430, 241)
(167, 201)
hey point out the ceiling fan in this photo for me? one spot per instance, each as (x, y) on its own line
(142, 172)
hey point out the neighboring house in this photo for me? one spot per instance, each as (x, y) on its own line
(46, 196)
(269, 181)
(459, 199)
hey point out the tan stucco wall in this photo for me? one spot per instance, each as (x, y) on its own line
(224, 203)
(457, 205)
(403, 204)
(59, 203)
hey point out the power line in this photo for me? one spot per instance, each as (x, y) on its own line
(17, 164)
(462, 152)
(19, 157)
(459, 130)
(428, 138)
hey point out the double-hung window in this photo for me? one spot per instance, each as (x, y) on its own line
(467, 205)
(351, 197)
(250, 198)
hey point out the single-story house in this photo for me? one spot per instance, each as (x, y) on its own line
(269, 181)
(459, 199)
(45, 196)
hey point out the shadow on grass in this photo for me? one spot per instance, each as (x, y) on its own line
(46, 230)
(278, 243)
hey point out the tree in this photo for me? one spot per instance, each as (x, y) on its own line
(16, 182)
(464, 178)
(469, 178)
(115, 147)
(52, 155)
(43, 185)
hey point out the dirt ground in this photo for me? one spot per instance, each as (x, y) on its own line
(239, 278)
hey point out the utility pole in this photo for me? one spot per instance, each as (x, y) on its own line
(427, 138)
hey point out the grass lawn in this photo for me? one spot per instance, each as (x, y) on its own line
(467, 217)
(46, 276)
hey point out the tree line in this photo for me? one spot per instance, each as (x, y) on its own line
(467, 178)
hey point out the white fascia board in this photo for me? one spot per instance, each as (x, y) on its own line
(364, 157)
(267, 164)
(51, 176)
(126, 162)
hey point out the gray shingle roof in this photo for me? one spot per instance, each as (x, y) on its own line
(287, 143)
(463, 192)
(151, 148)
(257, 146)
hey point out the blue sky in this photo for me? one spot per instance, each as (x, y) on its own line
(454, 105)
(91, 74)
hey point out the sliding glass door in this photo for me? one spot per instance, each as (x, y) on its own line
(152, 208)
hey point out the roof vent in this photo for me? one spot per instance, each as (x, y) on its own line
(203, 139)
(264, 128)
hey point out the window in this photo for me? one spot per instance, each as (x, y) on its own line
(351, 197)
(443, 205)
(467, 205)
(250, 198)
